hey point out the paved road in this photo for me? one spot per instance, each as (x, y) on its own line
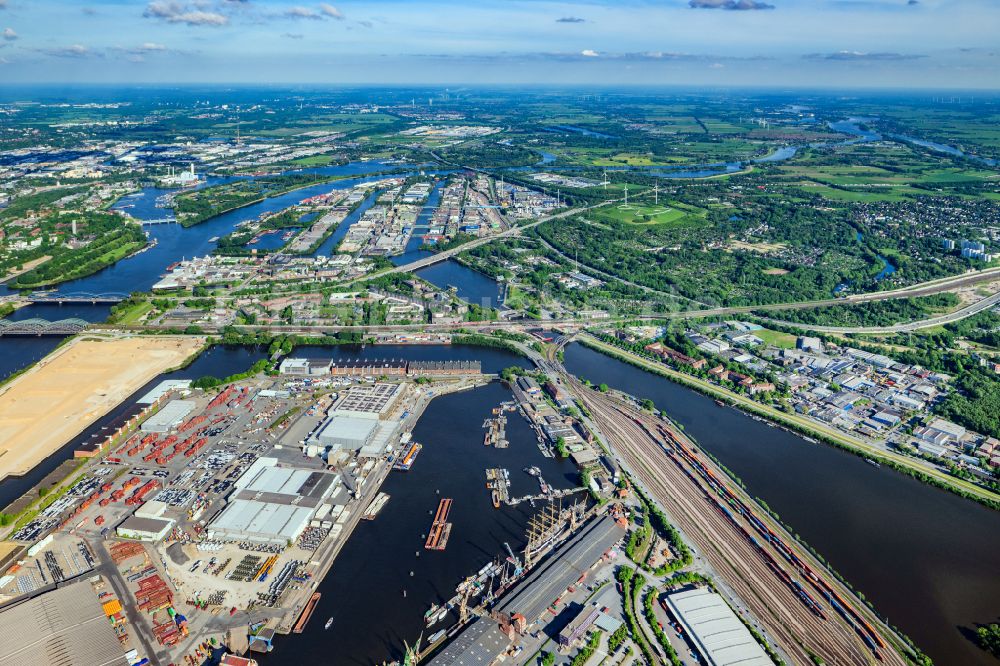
(906, 327)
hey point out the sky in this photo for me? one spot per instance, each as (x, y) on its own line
(773, 43)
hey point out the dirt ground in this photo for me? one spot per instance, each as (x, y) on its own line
(74, 386)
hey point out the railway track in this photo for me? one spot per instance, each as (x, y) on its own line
(752, 570)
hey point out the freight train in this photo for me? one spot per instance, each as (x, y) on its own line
(675, 448)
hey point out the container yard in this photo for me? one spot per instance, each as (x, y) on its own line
(225, 508)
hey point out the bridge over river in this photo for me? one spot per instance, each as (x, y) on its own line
(37, 326)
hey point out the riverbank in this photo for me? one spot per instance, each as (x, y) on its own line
(805, 426)
(88, 268)
(59, 397)
(34, 263)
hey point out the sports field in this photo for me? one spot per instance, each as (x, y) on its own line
(75, 385)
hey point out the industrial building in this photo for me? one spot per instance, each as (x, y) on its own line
(273, 503)
(369, 402)
(144, 529)
(551, 578)
(477, 645)
(169, 417)
(482, 641)
(348, 433)
(66, 626)
(718, 635)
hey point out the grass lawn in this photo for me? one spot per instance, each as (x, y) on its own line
(135, 313)
(646, 215)
(776, 338)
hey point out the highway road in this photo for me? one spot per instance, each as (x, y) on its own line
(784, 616)
(906, 327)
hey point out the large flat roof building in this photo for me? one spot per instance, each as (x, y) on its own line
(273, 503)
(168, 417)
(347, 432)
(548, 580)
(369, 402)
(66, 626)
(718, 635)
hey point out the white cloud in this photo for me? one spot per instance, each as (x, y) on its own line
(9, 34)
(589, 53)
(331, 11)
(72, 51)
(300, 12)
(173, 11)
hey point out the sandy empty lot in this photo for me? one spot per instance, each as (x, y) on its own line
(74, 386)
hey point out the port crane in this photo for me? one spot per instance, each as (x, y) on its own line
(513, 559)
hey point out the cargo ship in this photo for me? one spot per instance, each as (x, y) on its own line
(377, 505)
(405, 461)
(307, 612)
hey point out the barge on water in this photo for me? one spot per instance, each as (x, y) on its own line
(437, 539)
(405, 462)
(307, 612)
(377, 505)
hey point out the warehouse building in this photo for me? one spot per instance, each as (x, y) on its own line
(369, 402)
(718, 635)
(477, 645)
(66, 626)
(546, 582)
(347, 433)
(169, 417)
(273, 503)
(144, 529)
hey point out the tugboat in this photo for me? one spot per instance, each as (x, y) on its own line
(328, 623)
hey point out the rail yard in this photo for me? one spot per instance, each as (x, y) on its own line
(799, 606)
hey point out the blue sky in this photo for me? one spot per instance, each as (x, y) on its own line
(782, 43)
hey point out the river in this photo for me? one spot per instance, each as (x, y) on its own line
(926, 558)
(174, 243)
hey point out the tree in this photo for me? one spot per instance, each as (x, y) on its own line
(989, 638)
(603, 388)
(548, 659)
(561, 448)
(648, 405)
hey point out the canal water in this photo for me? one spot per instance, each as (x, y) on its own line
(363, 592)
(926, 559)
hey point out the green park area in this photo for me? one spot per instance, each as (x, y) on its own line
(642, 214)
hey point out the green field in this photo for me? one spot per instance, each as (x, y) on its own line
(671, 213)
(776, 338)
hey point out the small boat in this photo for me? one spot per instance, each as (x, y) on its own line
(720, 403)
(496, 499)
(873, 463)
(328, 623)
